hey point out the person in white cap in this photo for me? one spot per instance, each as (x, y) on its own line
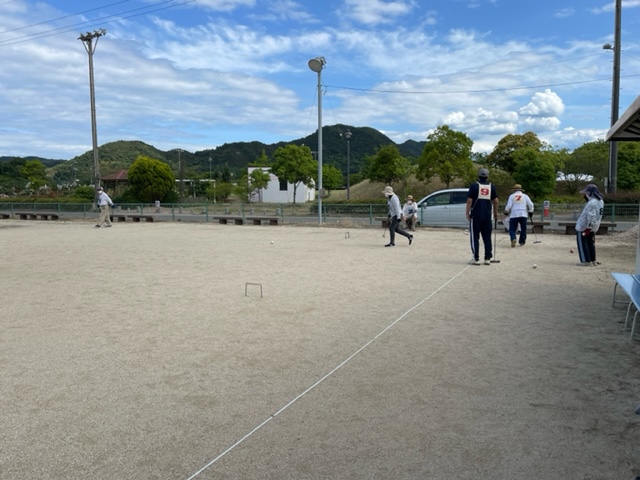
(104, 203)
(588, 224)
(410, 213)
(395, 215)
(519, 207)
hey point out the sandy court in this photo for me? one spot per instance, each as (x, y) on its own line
(146, 351)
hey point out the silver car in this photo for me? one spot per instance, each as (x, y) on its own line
(444, 208)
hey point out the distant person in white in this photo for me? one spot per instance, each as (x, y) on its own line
(410, 213)
(105, 204)
(518, 207)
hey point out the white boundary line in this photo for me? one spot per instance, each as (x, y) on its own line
(342, 364)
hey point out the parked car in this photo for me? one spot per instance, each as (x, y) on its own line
(444, 208)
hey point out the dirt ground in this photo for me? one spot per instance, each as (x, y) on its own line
(204, 351)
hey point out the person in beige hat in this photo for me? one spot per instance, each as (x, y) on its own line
(588, 224)
(519, 207)
(410, 214)
(395, 216)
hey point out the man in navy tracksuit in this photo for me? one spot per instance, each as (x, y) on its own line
(482, 208)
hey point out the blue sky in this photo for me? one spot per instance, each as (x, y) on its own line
(195, 74)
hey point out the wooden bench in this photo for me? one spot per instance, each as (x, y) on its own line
(384, 220)
(570, 227)
(265, 219)
(630, 285)
(224, 220)
(536, 226)
(5, 216)
(37, 215)
(138, 218)
(118, 217)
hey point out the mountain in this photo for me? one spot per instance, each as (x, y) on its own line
(119, 155)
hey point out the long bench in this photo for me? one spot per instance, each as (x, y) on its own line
(264, 219)
(570, 227)
(5, 216)
(37, 215)
(120, 217)
(383, 220)
(225, 219)
(138, 218)
(630, 285)
(536, 226)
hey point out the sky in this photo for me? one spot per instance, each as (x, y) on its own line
(196, 74)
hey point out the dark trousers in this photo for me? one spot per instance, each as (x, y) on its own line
(477, 229)
(394, 226)
(513, 228)
(586, 247)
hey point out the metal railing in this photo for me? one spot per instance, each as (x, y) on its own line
(358, 213)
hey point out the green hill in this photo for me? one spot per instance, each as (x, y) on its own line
(119, 155)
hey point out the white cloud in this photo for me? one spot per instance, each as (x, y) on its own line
(373, 12)
(610, 7)
(543, 104)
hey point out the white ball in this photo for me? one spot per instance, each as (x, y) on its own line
(271, 242)
(535, 266)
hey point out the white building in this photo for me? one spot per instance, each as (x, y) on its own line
(280, 192)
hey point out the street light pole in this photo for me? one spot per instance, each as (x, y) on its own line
(90, 47)
(316, 65)
(348, 137)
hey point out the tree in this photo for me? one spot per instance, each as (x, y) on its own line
(586, 161)
(535, 170)
(150, 179)
(502, 155)
(386, 166)
(447, 154)
(628, 166)
(35, 172)
(331, 177)
(294, 164)
(256, 181)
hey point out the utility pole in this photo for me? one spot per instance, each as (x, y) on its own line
(90, 41)
(615, 98)
(181, 173)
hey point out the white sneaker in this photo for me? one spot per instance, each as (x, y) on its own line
(473, 261)
(487, 262)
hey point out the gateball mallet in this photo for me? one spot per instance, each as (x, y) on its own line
(495, 241)
(533, 228)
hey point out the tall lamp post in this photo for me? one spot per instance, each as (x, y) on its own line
(90, 46)
(347, 135)
(615, 96)
(317, 64)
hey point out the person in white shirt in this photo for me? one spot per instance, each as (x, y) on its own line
(588, 224)
(395, 215)
(410, 213)
(519, 207)
(105, 204)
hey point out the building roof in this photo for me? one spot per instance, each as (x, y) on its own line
(627, 128)
(121, 175)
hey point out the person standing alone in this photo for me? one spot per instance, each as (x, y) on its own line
(105, 204)
(395, 215)
(588, 224)
(482, 205)
(518, 207)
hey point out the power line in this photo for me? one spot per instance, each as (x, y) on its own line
(59, 18)
(102, 20)
(487, 90)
